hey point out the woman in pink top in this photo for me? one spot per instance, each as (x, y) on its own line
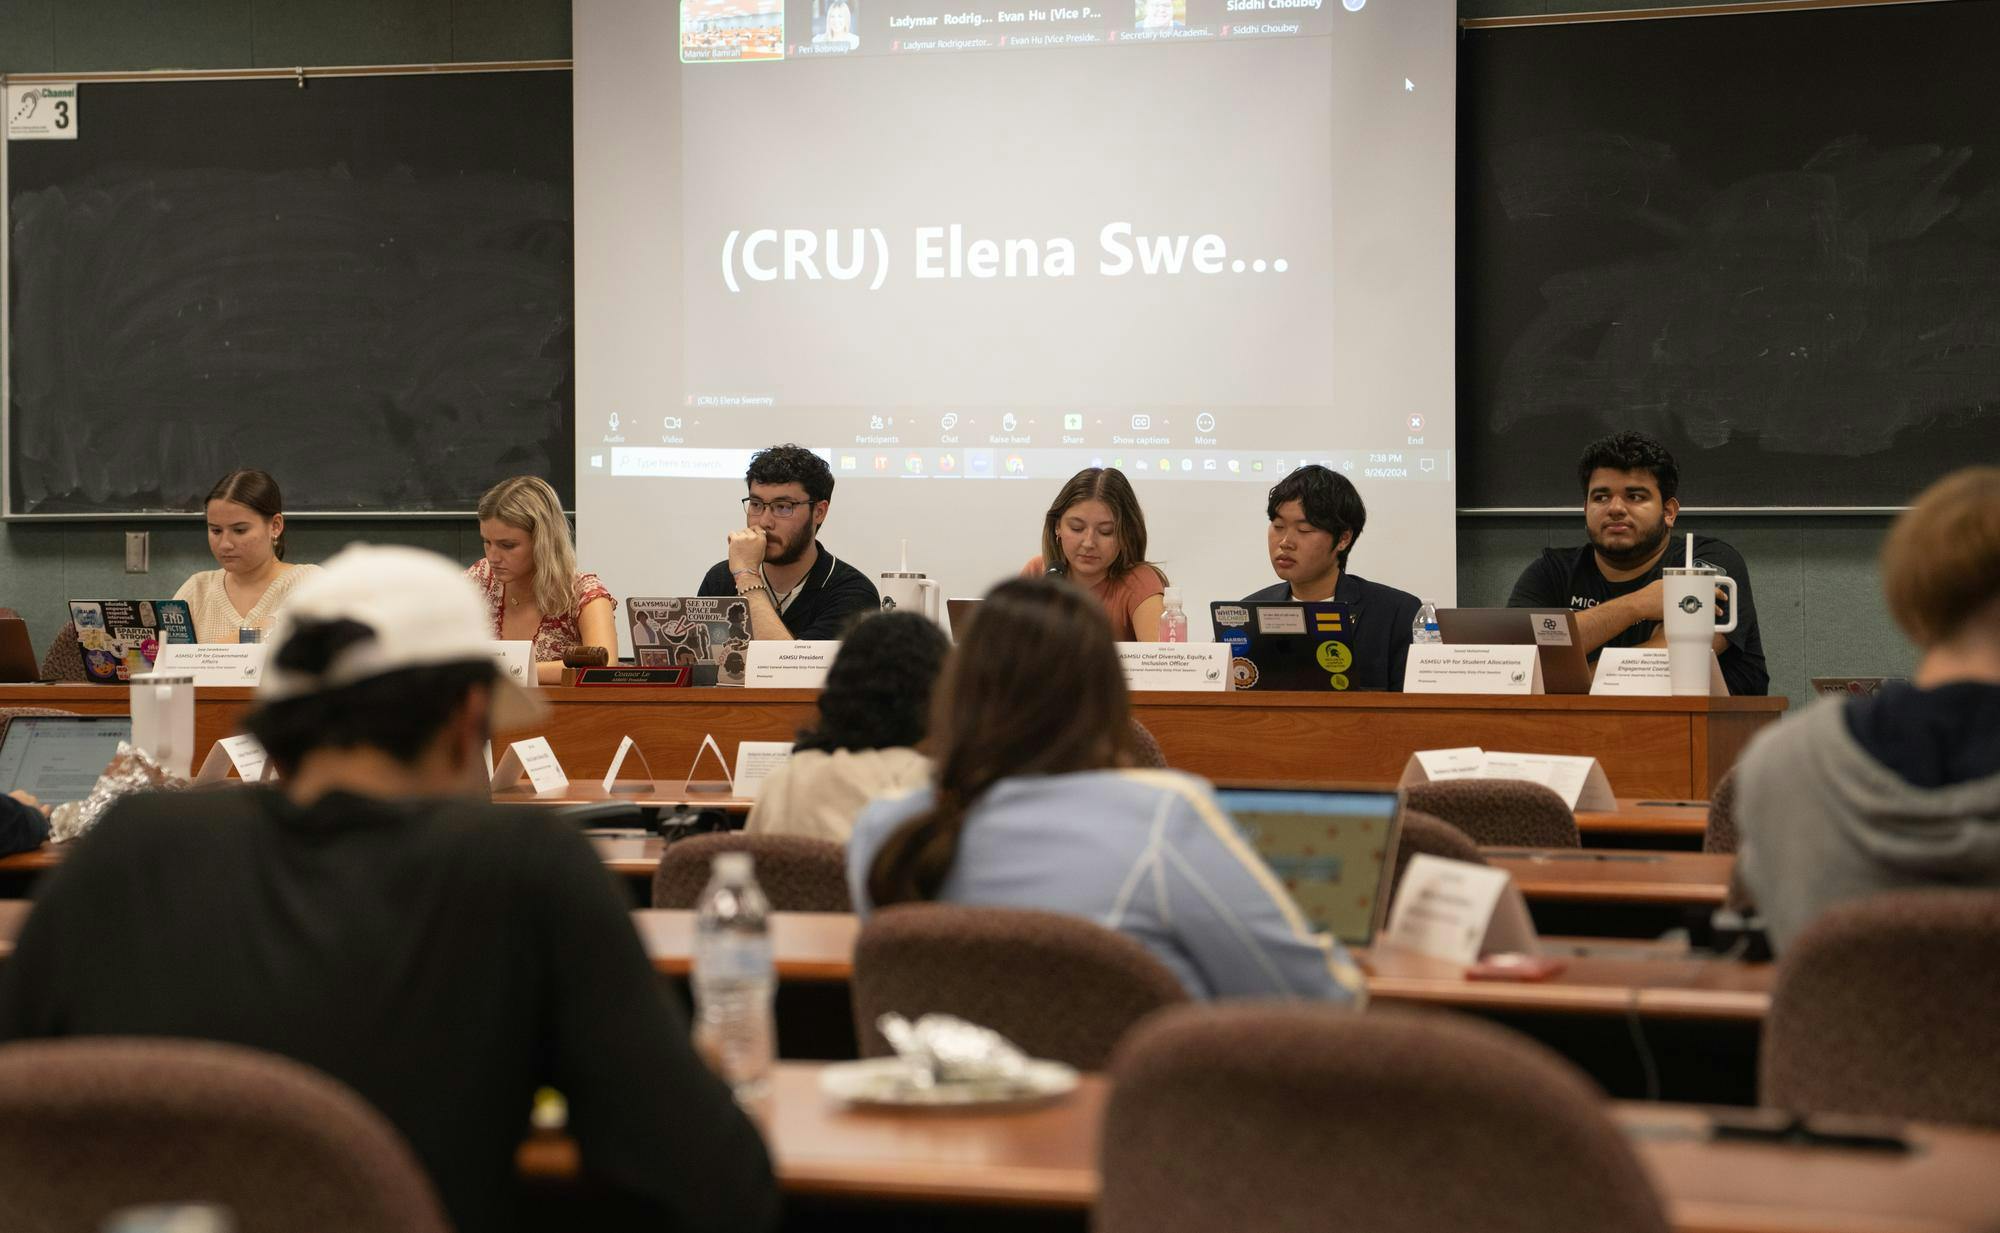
(529, 575)
(1095, 536)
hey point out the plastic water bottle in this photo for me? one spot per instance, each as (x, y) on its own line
(1173, 618)
(1425, 627)
(734, 977)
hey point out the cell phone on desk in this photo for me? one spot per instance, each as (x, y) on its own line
(1513, 965)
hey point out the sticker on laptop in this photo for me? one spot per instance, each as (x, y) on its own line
(1287, 620)
(1232, 615)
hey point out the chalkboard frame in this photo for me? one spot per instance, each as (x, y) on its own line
(1768, 9)
(301, 75)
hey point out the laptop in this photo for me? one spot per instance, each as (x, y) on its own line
(1566, 668)
(710, 633)
(120, 637)
(17, 654)
(1333, 848)
(1290, 645)
(59, 757)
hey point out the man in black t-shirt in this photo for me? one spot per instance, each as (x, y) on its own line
(378, 918)
(1613, 583)
(795, 587)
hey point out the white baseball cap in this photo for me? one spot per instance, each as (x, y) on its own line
(423, 610)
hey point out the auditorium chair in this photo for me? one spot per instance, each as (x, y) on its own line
(89, 1126)
(1885, 1006)
(1289, 1118)
(1146, 751)
(1426, 835)
(796, 874)
(1720, 834)
(1060, 987)
(64, 659)
(1504, 813)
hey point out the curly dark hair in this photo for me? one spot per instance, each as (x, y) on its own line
(878, 692)
(792, 464)
(1630, 451)
(1329, 500)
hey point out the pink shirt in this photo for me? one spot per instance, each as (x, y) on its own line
(558, 634)
(1121, 597)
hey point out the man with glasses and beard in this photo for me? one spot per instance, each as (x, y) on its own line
(795, 587)
(1613, 583)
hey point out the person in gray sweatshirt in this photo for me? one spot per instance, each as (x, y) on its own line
(1900, 790)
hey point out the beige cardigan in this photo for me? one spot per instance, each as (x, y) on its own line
(816, 794)
(216, 619)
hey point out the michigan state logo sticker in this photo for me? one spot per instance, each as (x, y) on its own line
(1335, 657)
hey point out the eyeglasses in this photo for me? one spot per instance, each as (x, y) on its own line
(754, 508)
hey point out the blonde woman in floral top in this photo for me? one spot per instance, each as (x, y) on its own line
(530, 577)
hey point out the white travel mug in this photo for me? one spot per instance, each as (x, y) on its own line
(909, 591)
(1689, 603)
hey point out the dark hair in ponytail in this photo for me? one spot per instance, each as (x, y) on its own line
(254, 490)
(1034, 688)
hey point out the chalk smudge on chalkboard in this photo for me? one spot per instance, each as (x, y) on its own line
(1823, 308)
(179, 323)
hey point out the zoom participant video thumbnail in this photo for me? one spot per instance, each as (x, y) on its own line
(725, 31)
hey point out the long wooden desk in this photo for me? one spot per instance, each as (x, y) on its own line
(1579, 876)
(1675, 748)
(818, 947)
(1046, 1157)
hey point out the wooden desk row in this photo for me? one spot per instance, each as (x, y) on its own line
(1567, 876)
(1697, 879)
(1046, 1157)
(818, 947)
(1600, 979)
(1671, 748)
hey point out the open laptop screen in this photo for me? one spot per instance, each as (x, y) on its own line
(1334, 850)
(59, 757)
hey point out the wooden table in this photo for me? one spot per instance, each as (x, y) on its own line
(1592, 876)
(818, 947)
(1545, 876)
(1046, 1157)
(1674, 748)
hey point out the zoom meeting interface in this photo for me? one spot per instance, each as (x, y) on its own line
(1203, 241)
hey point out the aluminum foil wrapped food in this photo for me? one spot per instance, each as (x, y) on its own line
(945, 1049)
(131, 770)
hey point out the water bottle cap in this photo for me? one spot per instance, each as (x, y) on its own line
(1172, 595)
(732, 866)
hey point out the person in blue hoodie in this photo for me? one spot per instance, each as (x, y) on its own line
(1900, 790)
(1036, 804)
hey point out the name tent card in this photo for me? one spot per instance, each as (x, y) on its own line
(755, 760)
(1643, 672)
(1473, 668)
(534, 758)
(1458, 911)
(214, 663)
(243, 754)
(516, 659)
(788, 665)
(1175, 665)
(626, 746)
(1580, 781)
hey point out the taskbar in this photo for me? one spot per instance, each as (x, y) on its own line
(1426, 465)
